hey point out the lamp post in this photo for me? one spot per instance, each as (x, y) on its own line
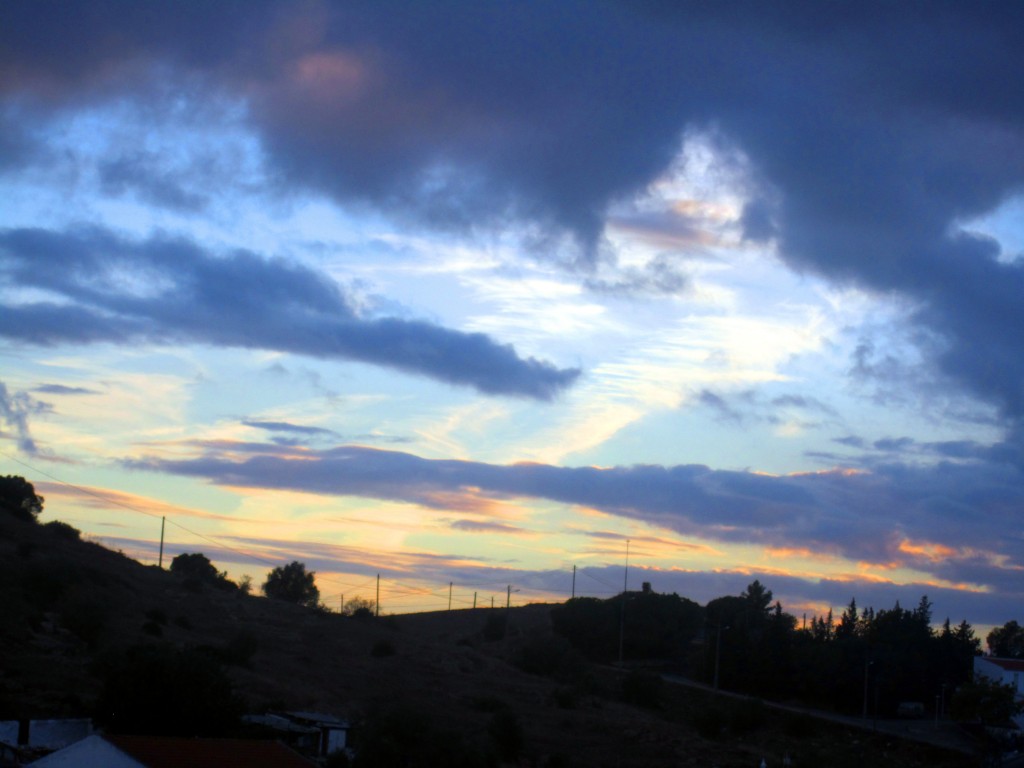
(718, 652)
(867, 666)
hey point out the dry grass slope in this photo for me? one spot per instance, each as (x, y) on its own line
(68, 603)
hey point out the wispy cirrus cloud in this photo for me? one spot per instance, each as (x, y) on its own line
(16, 410)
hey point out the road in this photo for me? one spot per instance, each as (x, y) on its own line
(943, 734)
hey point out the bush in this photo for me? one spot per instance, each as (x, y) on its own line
(240, 649)
(61, 530)
(360, 608)
(196, 571)
(382, 648)
(566, 697)
(494, 627)
(18, 497)
(747, 716)
(488, 704)
(548, 655)
(507, 733)
(294, 584)
(152, 628)
(83, 615)
(708, 721)
(158, 690)
(645, 689)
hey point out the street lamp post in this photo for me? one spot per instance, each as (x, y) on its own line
(867, 666)
(718, 652)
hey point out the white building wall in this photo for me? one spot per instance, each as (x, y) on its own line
(9, 732)
(57, 734)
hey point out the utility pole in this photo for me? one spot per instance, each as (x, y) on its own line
(508, 597)
(341, 609)
(622, 620)
(160, 562)
(378, 596)
(574, 582)
(474, 601)
(449, 595)
(867, 666)
(718, 651)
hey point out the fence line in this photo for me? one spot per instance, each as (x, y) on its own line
(480, 591)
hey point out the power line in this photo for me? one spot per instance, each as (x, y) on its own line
(398, 589)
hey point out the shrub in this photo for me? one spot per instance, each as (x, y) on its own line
(152, 628)
(294, 584)
(61, 530)
(565, 697)
(156, 689)
(84, 616)
(488, 704)
(240, 649)
(645, 689)
(549, 655)
(747, 716)
(708, 721)
(494, 627)
(507, 733)
(382, 648)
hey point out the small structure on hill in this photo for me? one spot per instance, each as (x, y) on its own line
(312, 733)
(107, 751)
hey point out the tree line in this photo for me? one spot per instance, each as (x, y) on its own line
(867, 662)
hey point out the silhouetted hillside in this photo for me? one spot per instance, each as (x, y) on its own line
(453, 688)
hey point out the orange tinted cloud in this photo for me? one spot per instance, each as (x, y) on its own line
(929, 550)
(797, 552)
(104, 498)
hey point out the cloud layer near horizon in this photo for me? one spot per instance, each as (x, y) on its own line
(948, 520)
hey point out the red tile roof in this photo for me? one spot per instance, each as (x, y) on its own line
(1010, 665)
(168, 752)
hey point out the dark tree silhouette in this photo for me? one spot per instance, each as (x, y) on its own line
(197, 570)
(195, 565)
(986, 701)
(19, 498)
(160, 690)
(292, 583)
(1007, 641)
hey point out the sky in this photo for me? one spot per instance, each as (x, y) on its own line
(503, 301)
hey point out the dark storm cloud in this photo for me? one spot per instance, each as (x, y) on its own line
(167, 290)
(142, 175)
(871, 129)
(954, 521)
